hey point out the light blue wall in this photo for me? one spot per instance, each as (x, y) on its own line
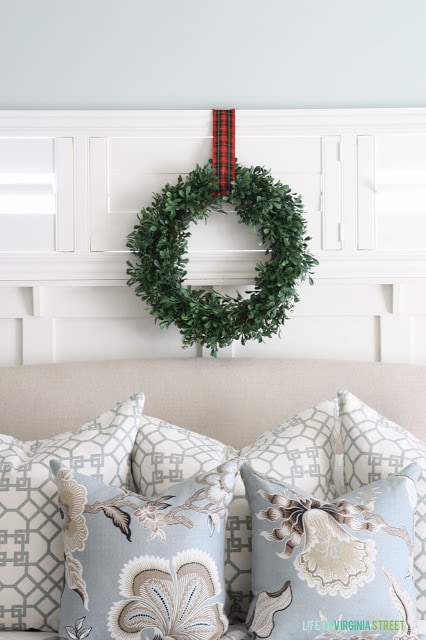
(199, 54)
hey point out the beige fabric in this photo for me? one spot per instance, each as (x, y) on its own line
(233, 400)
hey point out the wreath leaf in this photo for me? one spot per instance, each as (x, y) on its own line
(159, 243)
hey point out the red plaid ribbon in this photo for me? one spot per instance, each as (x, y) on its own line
(224, 148)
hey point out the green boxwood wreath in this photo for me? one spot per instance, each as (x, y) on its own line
(160, 239)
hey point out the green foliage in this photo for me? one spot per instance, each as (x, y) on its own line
(159, 243)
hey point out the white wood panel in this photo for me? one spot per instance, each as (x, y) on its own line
(10, 342)
(401, 217)
(98, 196)
(27, 194)
(343, 321)
(23, 233)
(348, 230)
(135, 168)
(418, 331)
(37, 298)
(120, 301)
(285, 155)
(412, 298)
(308, 186)
(15, 302)
(92, 302)
(114, 338)
(366, 192)
(37, 340)
(343, 338)
(401, 191)
(222, 232)
(343, 299)
(64, 154)
(117, 230)
(401, 231)
(296, 161)
(395, 338)
(401, 157)
(31, 155)
(27, 183)
(128, 194)
(130, 188)
(402, 200)
(81, 191)
(136, 156)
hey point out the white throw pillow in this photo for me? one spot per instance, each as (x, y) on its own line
(31, 549)
(374, 448)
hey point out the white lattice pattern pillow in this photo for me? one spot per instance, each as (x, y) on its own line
(30, 527)
(374, 448)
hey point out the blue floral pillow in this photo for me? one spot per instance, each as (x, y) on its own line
(332, 569)
(139, 567)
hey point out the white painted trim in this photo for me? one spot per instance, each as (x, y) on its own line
(332, 193)
(206, 268)
(374, 266)
(104, 123)
(261, 122)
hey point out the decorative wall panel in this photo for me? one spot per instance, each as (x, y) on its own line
(72, 183)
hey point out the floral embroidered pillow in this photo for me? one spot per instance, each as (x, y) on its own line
(300, 450)
(138, 567)
(332, 569)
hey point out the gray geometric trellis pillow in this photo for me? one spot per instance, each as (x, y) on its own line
(31, 549)
(300, 450)
(375, 447)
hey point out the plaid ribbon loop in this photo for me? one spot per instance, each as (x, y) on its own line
(224, 148)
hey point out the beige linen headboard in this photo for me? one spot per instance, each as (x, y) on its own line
(233, 400)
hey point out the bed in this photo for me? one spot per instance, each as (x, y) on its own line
(325, 428)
